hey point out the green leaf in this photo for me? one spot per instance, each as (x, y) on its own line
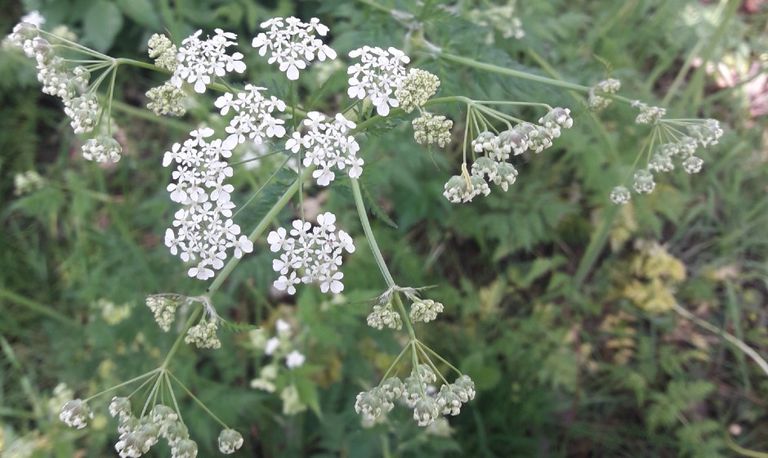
(485, 375)
(101, 24)
(142, 12)
(308, 394)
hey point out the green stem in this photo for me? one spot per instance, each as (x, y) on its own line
(177, 343)
(440, 358)
(37, 307)
(133, 380)
(733, 340)
(369, 234)
(259, 230)
(198, 401)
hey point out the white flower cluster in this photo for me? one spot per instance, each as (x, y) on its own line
(648, 114)
(425, 310)
(71, 85)
(202, 229)
(418, 87)
(293, 44)
(492, 167)
(310, 254)
(201, 60)
(163, 51)
(27, 182)
(700, 133)
(229, 441)
(280, 347)
(419, 394)
(327, 144)
(596, 99)
(431, 129)
(500, 18)
(384, 316)
(166, 100)
(75, 413)
(252, 116)
(163, 307)
(137, 436)
(203, 334)
(379, 75)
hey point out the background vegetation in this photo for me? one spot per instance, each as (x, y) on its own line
(534, 280)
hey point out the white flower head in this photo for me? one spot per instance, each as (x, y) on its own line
(327, 145)
(378, 75)
(294, 359)
(203, 229)
(310, 254)
(293, 44)
(253, 117)
(202, 60)
(34, 18)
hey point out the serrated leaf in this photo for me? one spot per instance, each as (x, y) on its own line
(308, 394)
(101, 24)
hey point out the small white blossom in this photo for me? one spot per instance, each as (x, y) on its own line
(75, 413)
(294, 359)
(425, 310)
(185, 448)
(102, 149)
(431, 129)
(293, 44)
(34, 18)
(693, 164)
(418, 87)
(202, 229)
(230, 441)
(597, 101)
(379, 74)
(163, 51)
(310, 254)
(253, 117)
(648, 114)
(620, 195)
(203, 334)
(201, 60)
(327, 145)
(120, 407)
(643, 182)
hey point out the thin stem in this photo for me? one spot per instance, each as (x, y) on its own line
(259, 230)
(151, 394)
(37, 307)
(138, 388)
(431, 364)
(369, 234)
(738, 343)
(198, 401)
(133, 380)
(177, 343)
(394, 363)
(440, 358)
(173, 396)
(261, 188)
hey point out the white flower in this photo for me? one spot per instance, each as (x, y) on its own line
(294, 359)
(102, 149)
(271, 345)
(293, 44)
(230, 441)
(34, 18)
(252, 116)
(282, 327)
(620, 195)
(310, 254)
(327, 145)
(201, 60)
(75, 413)
(378, 75)
(203, 230)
